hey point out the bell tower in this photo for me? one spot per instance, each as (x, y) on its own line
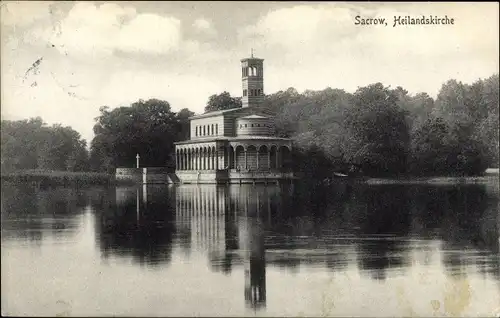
(252, 77)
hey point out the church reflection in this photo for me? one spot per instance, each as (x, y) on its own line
(230, 223)
(244, 229)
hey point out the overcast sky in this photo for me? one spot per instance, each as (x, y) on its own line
(114, 53)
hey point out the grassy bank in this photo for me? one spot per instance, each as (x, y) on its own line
(52, 178)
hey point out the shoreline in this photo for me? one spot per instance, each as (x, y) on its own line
(99, 178)
(435, 180)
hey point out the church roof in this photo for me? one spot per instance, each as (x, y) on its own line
(225, 111)
(215, 113)
(254, 116)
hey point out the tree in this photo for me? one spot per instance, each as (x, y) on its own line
(429, 148)
(183, 119)
(377, 132)
(472, 113)
(221, 102)
(31, 144)
(148, 128)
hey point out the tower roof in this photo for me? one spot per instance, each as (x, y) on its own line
(251, 59)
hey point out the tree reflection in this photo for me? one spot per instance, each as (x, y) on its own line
(30, 214)
(385, 221)
(465, 217)
(371, 227)
(139, 225)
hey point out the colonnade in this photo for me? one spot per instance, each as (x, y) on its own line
(240, 157)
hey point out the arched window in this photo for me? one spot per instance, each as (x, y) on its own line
(212, 129)
(196, 130)
(245, 92)
(204, 132)
(217, 129)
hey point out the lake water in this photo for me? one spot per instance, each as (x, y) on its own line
(347, 250)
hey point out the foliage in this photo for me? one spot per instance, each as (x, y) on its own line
(31, 144)
(221, 102)
(148, 128)
(377, 131)
(381, 131)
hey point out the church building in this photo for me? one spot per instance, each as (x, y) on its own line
(236, 145)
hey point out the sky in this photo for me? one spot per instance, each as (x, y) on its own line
(93, 54)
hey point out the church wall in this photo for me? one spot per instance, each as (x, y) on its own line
(229, 126)
(216, 121)
(254, 126)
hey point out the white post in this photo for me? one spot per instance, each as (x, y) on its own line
(137, 160)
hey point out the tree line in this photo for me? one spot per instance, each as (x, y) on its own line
(375, 131)
(383, 131)
(32, 144)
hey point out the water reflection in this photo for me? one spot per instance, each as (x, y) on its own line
(229, 223)
(29, 215)
(138, 225)
(259, 246)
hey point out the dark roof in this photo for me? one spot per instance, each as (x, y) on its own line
(215, 113)
(251, 58)
(225, 111)
(230, 138)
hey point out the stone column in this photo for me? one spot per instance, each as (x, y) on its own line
(257, 153)
(235, 159)
(246, 161)
(212, 159)
(269, 158)
(277, 158)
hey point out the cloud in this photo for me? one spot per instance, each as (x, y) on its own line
(315, 46)
(299, 27)
(24, 13)
(202, 24)
(101, 30)
(204, 27)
